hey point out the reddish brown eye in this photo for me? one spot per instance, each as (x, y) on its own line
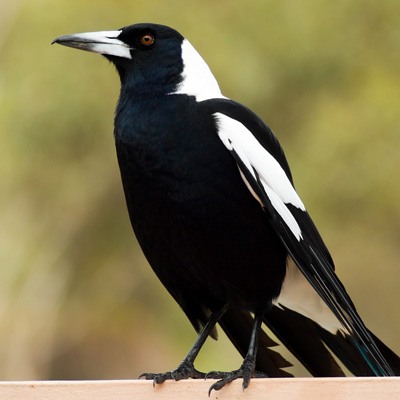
(147, 39)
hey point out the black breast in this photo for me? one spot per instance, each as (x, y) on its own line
(203, 233)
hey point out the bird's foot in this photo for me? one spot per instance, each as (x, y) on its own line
(184, 371)
(246, 372)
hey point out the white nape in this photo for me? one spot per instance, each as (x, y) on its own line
(197, 78)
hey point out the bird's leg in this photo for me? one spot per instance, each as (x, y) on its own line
(247, 369)
(186, 368)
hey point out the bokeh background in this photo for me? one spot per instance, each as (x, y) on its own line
(77, 298)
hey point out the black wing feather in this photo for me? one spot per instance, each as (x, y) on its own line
(309, 253)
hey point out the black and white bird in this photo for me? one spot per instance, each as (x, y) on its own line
(212, 202)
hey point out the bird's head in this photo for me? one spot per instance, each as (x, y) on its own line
(150, 57)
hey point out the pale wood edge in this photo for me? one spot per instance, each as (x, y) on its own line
(271, 389)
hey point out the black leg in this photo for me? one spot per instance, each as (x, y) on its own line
(186, 368)
(246, 371)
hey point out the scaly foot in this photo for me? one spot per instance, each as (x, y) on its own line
(184, 371)
(246, 372)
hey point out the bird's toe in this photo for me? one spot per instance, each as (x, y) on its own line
(184, 371)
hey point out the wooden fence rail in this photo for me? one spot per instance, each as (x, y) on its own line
(268, 389)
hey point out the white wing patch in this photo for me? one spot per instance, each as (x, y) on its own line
(254, 156)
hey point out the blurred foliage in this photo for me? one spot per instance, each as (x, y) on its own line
(77, 299)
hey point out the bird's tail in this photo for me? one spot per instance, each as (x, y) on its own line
(343, 347)
(302, 338)
(307, 341)
(237, 324)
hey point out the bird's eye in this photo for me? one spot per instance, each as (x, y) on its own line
(147, 39)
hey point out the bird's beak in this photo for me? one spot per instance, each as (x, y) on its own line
(104, 43)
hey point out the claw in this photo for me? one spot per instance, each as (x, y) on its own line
(157, 378)
(227, 377)
(184, 371)
(245, 372)
(212, 387)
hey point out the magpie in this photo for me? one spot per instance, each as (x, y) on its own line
(212, 202)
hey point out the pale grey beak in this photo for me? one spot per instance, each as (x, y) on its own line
(103, 42)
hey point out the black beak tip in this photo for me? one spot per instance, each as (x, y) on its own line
(62, 39)
(57, 40)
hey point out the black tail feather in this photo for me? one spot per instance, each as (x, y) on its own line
(391, 357)
(300, 335)
(309, 343)
(237, 325)
(344, 349)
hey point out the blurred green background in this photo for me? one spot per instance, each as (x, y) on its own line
(77, 299)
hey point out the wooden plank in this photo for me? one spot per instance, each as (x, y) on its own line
(270, 389)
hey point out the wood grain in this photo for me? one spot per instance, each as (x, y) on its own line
(270, 389)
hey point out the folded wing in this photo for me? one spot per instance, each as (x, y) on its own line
(265, 171)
